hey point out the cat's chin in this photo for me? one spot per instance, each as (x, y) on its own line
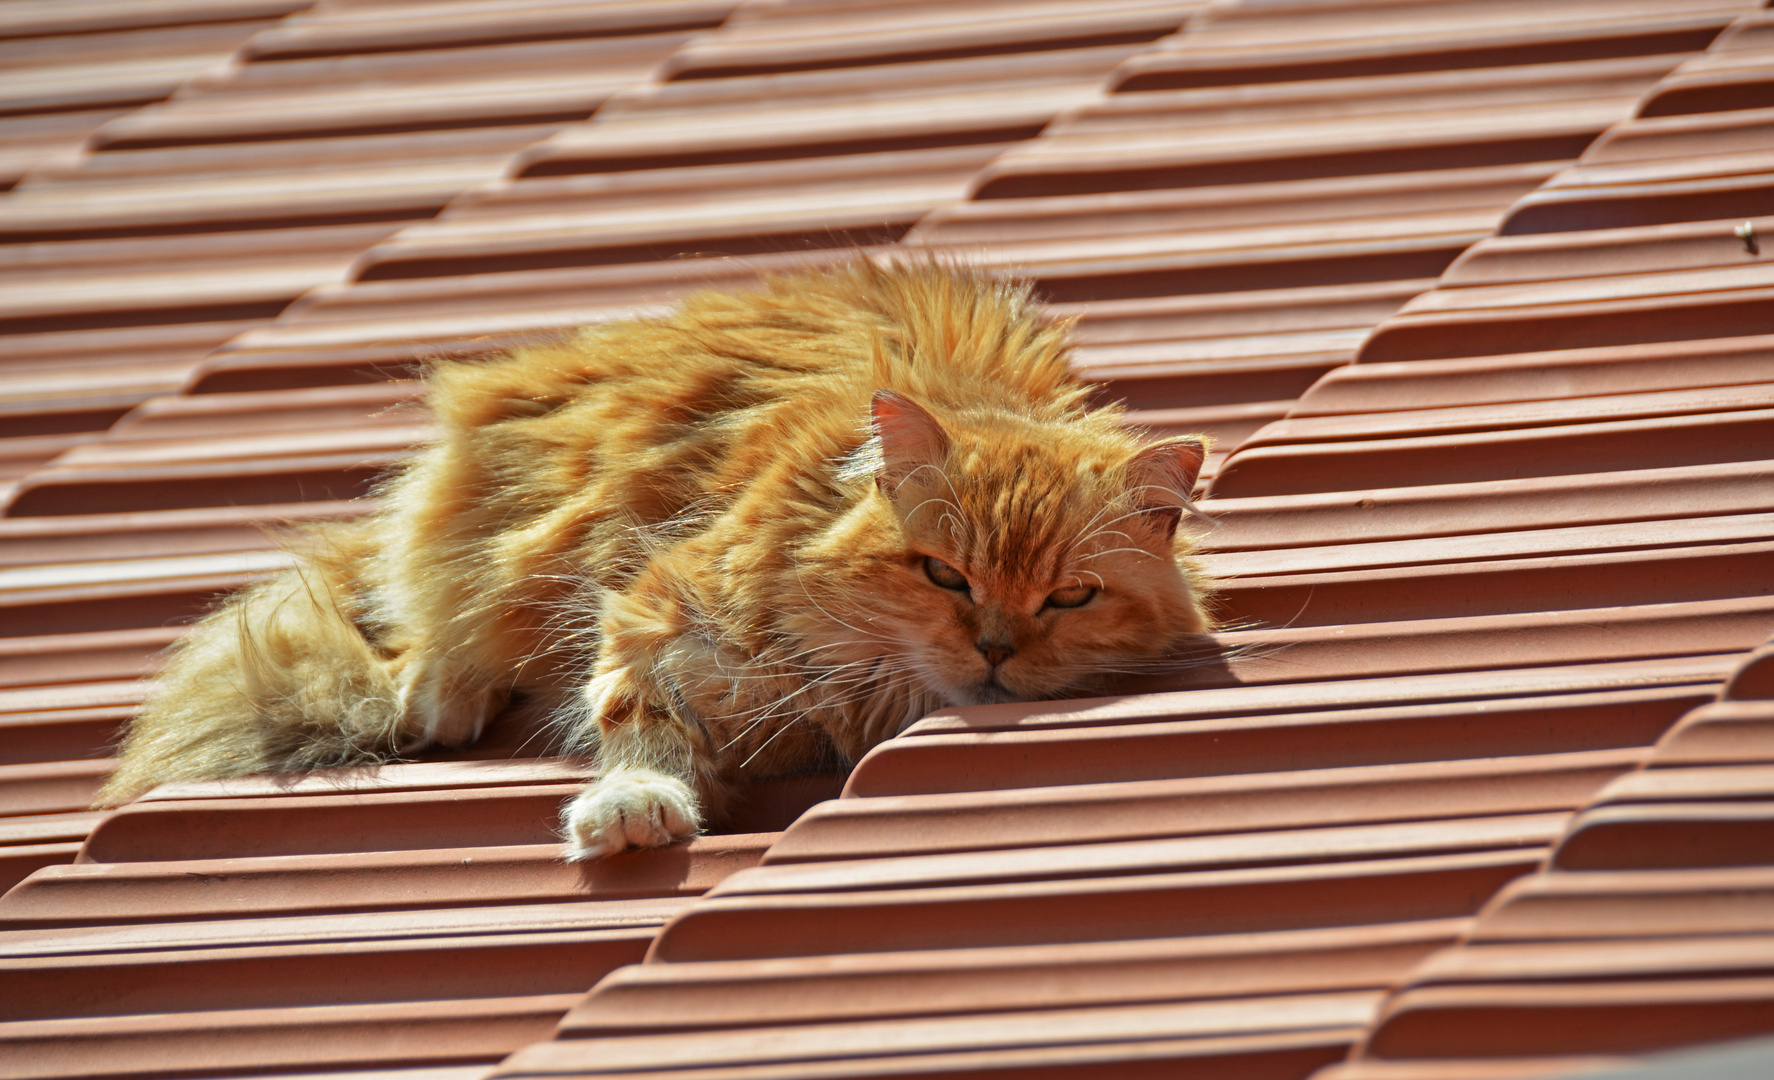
(988, 693)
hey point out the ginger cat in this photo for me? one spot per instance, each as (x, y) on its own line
(753, 537)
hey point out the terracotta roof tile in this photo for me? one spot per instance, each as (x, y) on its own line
(198, 217)
(1458, 793)
(1670, 857)
(74, 66)
(1653, 855)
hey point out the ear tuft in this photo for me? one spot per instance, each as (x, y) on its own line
(910, 438)
(1162, 478)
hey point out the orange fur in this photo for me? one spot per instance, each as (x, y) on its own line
(682, 537)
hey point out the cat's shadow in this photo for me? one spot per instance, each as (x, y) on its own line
(772, 805)
(688, 867)
(653, 872)
(1203, 663)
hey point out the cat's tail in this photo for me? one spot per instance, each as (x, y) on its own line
(280, 678)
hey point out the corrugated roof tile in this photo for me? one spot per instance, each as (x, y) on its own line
(1474, 579)
(1670, 857)
(266, 174)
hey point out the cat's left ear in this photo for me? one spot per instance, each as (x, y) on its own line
(910, 439)
(1162, 477)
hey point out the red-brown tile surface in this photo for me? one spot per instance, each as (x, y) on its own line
(1254, 195)
(416, 915)
(74, 65)
(1647, 929)
(1458, 791)
(795, 132)
(71, 68)
(278, 160)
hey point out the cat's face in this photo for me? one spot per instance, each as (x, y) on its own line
(1017, 560)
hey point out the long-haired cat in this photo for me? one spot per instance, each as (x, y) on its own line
(753, 537)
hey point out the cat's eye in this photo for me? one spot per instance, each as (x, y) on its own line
(944, 574)
(1074, 596)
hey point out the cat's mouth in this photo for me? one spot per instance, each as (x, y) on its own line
(993, 692)
(985, 689)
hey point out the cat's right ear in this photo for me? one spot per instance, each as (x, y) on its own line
(911, 439)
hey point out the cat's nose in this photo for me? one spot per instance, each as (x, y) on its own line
(995, 652)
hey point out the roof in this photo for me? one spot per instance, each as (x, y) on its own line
(1473, 296)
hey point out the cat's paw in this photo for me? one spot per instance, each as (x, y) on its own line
(629, 808)
(438, 709)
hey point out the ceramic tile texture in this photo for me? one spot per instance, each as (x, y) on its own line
(283, 148)
(1473, 296)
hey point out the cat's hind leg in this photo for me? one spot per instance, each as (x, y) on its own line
(442, 704)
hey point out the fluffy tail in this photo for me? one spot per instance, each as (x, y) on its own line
(280, 678)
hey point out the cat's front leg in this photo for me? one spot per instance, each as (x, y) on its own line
(645, 794)
(630, 807)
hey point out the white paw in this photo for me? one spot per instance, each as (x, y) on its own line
(629, 808)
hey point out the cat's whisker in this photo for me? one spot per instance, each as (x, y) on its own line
(1180, 496)
(941, 473)
(875, 699)
(766, 743)
(1193, 509)
(1116, 551)
(936, 500)
(1087, 530)
(1105, 532)
(859, 680)
(1136, 512)
(799, 580)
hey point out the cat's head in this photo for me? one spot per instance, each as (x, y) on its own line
(1009, 558)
